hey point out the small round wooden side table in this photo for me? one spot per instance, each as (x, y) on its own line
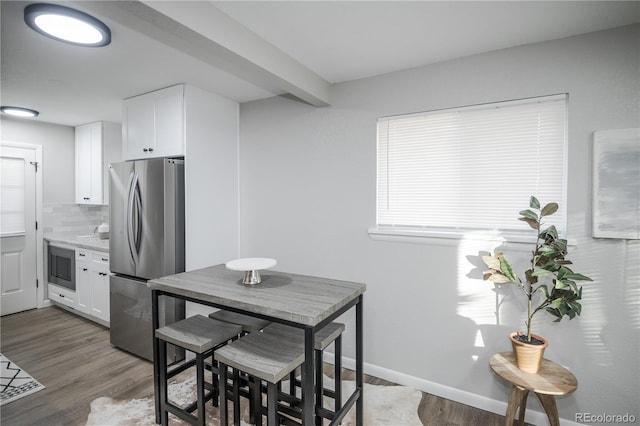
(551, 380)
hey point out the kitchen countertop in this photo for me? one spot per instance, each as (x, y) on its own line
(87, 241)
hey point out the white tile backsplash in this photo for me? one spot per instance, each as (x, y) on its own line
(73, 218)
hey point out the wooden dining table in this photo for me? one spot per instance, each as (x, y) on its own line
(301, 301)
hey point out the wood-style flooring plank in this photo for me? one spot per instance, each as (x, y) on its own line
(74, 359)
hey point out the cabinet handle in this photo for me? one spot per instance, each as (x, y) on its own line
(84, 269)
(81, 254)
(61, 295)
(104, 259)
(145, 149)
(150, 149)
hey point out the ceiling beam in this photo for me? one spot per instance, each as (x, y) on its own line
(203, 31)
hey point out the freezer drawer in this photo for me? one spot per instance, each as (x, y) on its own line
(131, 327)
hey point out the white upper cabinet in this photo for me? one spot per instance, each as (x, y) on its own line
(97, 145)
(153, 124)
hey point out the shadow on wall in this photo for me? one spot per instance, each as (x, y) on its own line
(594, 346)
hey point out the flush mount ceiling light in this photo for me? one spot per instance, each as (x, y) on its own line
(19, 111)
(66, 24)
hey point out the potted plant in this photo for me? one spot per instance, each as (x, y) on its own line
(548, 284)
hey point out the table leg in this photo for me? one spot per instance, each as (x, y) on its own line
(517, 399)
(359, 362)
(549, 404)
(156, 347)
(307, 378)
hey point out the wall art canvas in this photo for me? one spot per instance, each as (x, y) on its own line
(616, 184)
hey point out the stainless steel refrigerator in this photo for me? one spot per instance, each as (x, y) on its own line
(146, 227)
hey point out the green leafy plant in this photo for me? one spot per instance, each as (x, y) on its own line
(561, 295)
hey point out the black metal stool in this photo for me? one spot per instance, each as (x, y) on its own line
(328, 334)
(249, 324)
(202, 336)
(264, 356)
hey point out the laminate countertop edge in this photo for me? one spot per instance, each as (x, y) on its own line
(90, 243)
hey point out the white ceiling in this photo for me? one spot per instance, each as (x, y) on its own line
(248, 50)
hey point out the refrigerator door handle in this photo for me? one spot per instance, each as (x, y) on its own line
(130, 217)
(138, 217)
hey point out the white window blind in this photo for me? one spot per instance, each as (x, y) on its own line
(472, 168)
(12, 196)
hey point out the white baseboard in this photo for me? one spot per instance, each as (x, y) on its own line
(447, 392)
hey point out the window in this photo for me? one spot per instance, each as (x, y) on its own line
(458, 171)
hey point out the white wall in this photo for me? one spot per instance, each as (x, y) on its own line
(211, 182)
(58, 154)
(211, 179)
(308, 182)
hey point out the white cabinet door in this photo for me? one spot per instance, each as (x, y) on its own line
(83, 287)
(169, 109)
(100, 294)
(138, 128)
(100, 286)
(89, 175)
(96, 174)
(83, 164)
(97, 145)
(153, 124)
(92, 283)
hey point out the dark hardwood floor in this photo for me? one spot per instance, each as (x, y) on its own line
(73, 358)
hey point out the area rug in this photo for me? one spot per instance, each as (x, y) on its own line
(15, 382)
(384, 405)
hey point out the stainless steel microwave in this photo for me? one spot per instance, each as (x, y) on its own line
(62, 267)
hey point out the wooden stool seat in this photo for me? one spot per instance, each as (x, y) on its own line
(202, 336)
(323, 338)
(197, 333)
(328, 334)
(552, 379)
(249, 324)
(265, 356)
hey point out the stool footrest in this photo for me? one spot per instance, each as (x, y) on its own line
(207, 397)
(179, 369)
(182, 413)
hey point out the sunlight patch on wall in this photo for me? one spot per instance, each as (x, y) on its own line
(477, 299)
(632, 283)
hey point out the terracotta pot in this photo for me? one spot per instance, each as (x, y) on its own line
(528, 356)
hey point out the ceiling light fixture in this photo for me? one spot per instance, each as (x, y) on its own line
(66, 24)
(19, 111)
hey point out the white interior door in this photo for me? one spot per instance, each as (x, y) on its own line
(18, 286)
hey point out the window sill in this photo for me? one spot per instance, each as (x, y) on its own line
(452, 237)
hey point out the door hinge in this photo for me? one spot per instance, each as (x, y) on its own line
(35, 164)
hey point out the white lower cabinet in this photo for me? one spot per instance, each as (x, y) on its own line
(83, 286)
(62, 295)
(92, 283)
